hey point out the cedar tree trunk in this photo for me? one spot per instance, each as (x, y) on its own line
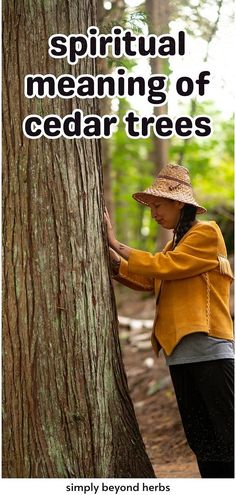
(66, 407)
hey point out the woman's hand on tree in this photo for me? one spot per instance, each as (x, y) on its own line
(111, 236)
(121, 249)
(115, 261)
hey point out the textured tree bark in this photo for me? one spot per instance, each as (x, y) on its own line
(105, 109)
(158, 19)
(66, 407)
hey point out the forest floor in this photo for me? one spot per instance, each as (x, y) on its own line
(151, 390)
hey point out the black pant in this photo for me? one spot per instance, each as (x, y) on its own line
(205, 397)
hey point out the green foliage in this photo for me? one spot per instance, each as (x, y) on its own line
(135, 20)
(131, 172)
(211, 166)
(209, 161)
(128, 63)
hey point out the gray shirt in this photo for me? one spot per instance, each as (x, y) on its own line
(197, 347)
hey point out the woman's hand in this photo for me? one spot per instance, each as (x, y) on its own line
(115, 261)
(111, 236)
(114, 256)
(121, 249)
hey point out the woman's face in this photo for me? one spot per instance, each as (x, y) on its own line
(166, 212)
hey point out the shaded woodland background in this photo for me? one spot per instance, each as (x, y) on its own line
(129, 166)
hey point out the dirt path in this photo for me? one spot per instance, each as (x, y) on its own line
(153, 397)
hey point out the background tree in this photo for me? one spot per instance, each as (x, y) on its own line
(66, 407)
(158, 15)
(107, 19)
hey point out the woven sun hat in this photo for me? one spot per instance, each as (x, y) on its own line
(173, 182)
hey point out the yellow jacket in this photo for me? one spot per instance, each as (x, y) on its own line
(191, 284)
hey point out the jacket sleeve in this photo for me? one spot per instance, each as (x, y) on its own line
(136, 282)
(196, 254)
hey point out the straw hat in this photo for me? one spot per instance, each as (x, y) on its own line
(173, 182)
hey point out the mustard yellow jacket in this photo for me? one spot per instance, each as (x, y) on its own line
(191, 284)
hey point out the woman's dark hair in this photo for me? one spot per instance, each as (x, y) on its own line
(187, 217)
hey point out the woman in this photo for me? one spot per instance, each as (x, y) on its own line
(191, 278)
